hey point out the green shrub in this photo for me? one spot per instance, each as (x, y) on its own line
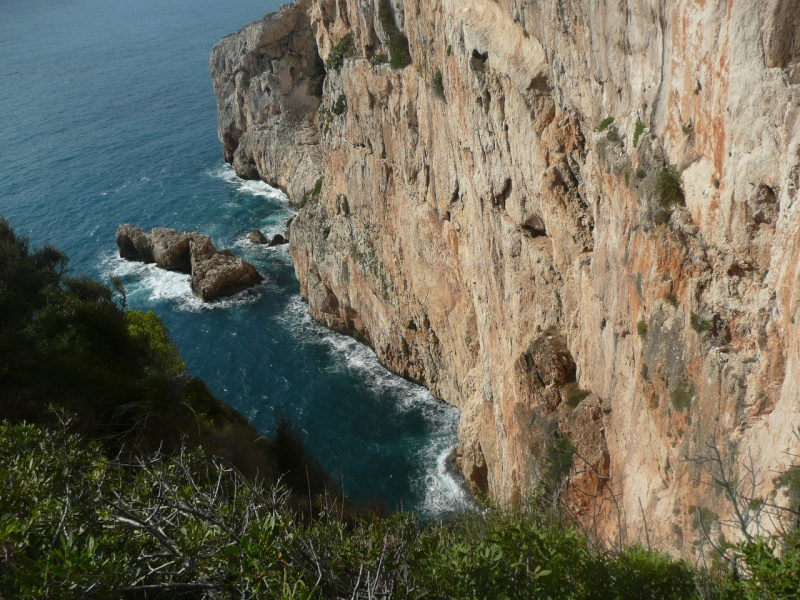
(399, 53)
(148, 327)
(642, 327)
(645, 372)
(605, 123)
(773, 565)
(560, 454)
(318, 186)
(78, 523)
(640, 573)
(386, 17)
(790, 480)
(638, 130)
(669, 187)
(437, 83)
(681, 395)
(343, 49)
(699, 324)
(339, 106)
(627, 178)
(672, 299)
(379, 59)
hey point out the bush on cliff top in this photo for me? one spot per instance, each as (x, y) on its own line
(77, 521)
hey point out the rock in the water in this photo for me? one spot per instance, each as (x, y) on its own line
(134, 243)
(171, 249)
(216, 274)
(278, 240)
(256, 237)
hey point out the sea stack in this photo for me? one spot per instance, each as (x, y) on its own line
(214, 273)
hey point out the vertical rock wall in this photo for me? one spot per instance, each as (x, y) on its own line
(628, 288)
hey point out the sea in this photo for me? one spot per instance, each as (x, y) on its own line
(107, 116)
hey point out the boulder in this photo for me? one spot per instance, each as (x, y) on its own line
(171, 249)
(134, 243)
(256, 237)
(216, 274)
(278, 240)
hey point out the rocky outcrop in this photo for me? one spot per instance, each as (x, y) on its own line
(268, 80)
(575, 220)
(256, 237)
(278, 240)
(214, 273)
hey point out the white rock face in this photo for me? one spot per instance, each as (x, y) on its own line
(631, 286)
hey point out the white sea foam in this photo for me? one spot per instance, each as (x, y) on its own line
(442, 492)
(248, 186)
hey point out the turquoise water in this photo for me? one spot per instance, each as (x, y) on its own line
(107, 116)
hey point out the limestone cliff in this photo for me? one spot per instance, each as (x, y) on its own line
(575, 220)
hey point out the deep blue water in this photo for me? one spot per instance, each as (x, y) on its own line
(107, 115)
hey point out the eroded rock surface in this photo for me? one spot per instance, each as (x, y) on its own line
(574, 220)
(214, 273)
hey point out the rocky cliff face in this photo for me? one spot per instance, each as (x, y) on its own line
(575, 220)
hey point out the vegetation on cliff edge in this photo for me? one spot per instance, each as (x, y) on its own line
(122, 476)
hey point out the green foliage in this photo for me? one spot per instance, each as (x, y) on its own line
(699, 324)
(703, 519)
(773, 565)
(64, 341)
(395, 40)
(386, 16)
(640, 573)
(638, 130)
(605, 123)
(165, 357)
(339, 106)
(627, 178)
(669, 187)
(318, 186)
(641, 173)
(672, 299)
(645, 372)
(790, 480)
(77, 522)
(681, 395)
(437, 83)
(379, 59)
(560, 454)
(642, 327)
(399, 52)
(343, 49)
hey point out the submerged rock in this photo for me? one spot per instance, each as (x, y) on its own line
(214, 273)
